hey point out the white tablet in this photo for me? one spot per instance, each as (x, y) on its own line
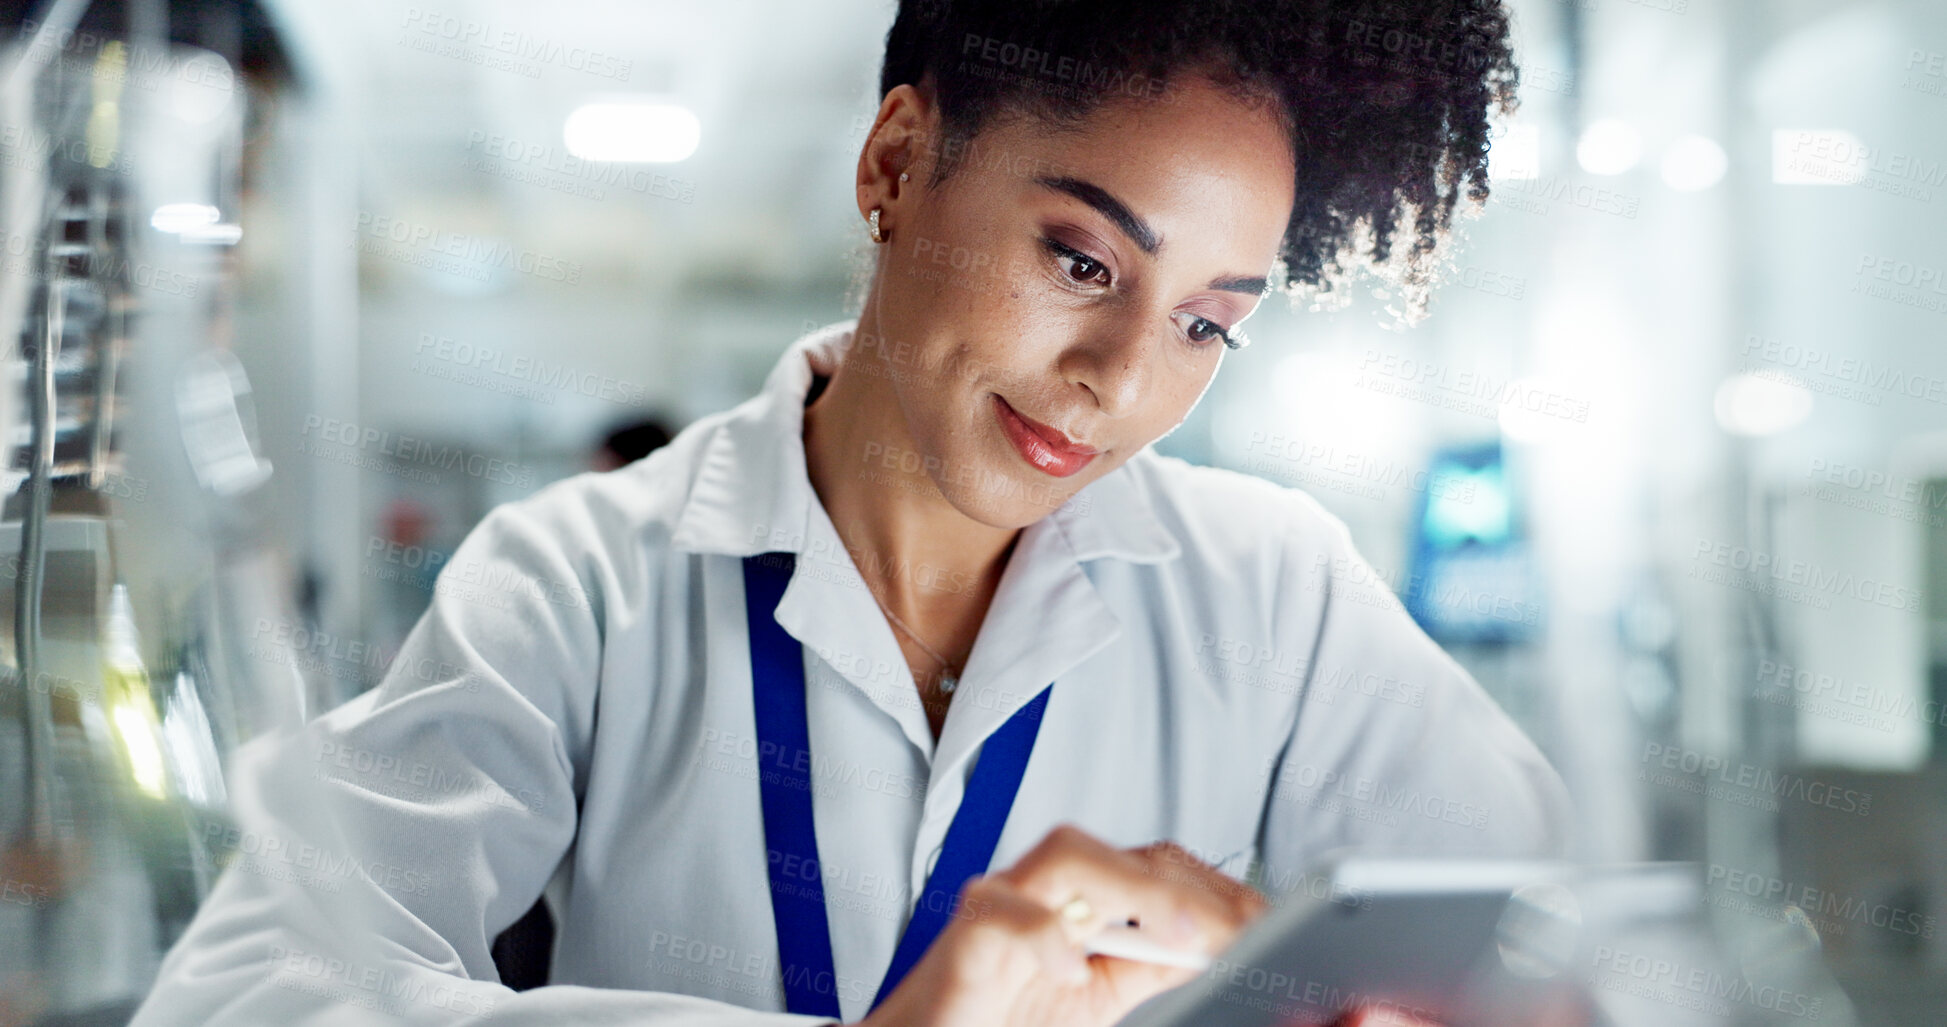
(1458, 943)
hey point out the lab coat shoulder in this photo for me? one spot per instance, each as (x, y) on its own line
(1219, 515)
(1232, 592)
(522, 608)
(1232, 529)
(1397, 749)
(1391, 745)
(382, 847)
(600, 531)
(1243, 528)
(547, 582)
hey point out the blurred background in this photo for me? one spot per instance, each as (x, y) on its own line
(299, 290)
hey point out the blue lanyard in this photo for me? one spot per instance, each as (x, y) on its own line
(784, 782)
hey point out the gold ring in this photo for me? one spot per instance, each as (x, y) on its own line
(1077, 910)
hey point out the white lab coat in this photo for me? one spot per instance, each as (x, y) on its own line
(575, 706)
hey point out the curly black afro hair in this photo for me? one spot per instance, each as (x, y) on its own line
(1387, 102)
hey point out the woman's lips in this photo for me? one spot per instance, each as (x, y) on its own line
(1039, 444)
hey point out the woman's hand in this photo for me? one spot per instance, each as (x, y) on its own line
(1011, 956)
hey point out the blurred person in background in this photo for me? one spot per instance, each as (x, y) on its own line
(629, 441)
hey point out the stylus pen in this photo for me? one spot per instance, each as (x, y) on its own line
(1130, 943)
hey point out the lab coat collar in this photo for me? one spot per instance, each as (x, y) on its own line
(752, 492)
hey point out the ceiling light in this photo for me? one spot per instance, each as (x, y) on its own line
(637, 131)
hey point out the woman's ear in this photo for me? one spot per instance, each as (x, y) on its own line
(900, 143)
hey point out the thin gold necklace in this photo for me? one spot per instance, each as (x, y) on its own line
(948, 679)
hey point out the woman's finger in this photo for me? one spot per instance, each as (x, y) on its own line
(1003, 923)
(1118, 885)
(1171, 861)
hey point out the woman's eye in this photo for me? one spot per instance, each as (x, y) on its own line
(1077, 265)
(1202, 330)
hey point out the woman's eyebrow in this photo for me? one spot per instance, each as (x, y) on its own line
(1252, 285)
(1138, 230)
(1095, 196)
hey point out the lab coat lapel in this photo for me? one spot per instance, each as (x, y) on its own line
(1045, 619)
(752, 494)
(828, 609)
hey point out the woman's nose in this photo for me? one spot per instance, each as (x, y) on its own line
(1112, 362)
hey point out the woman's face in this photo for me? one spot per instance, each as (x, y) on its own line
(1068, 283)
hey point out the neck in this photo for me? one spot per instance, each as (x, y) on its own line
(920, 555)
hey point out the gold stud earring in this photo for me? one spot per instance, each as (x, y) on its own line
(877, 236)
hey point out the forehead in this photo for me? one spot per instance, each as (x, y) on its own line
(1196, 161)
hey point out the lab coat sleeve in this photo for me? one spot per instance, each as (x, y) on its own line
(1395, 749)
(381, 848)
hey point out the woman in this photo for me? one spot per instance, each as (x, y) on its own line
(879, 697)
